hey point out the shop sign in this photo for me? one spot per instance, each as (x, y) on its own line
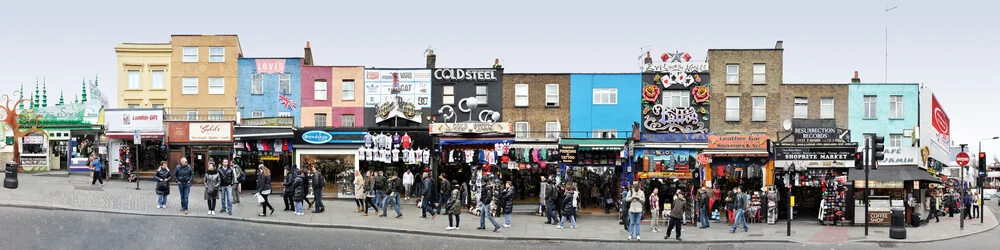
(567, 153)
(268, 121)
(901, 156)
(819, 133)
(200, 132)
(469, 75)
(879, 184)
(34, 139)
(812, 154)
(132, 120)
(879, 217)
(270, 66)
(317, 137)
(737, 141)
(268, 158)
(666, 175)
(678, 138)
(471, 128)
(384, 85)
(704, 159)
(397, 107)
(58, 114)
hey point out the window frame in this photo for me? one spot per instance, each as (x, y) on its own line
(483, 97)
(762, 74)
(605, 93)
(188, 57)
(190, 114)
(895, 140)
(213, 114)
(214, 57)
(733, 77)
(800, 104)
(184, 85)
(736, 107)
(256, 114)
(521, 99)
(827, 110)
(133, 106)
(762, 109)
(319, 122)
(554, 95)
(522, 134)
(284, 114)
(682, 96)
(317, 95)
(257, 84)
(221, 88)
(163, 79)
(896, 107)
(599, 133)
(344, 118)
(344, 95)
(448, 95)
(553, 134)
(285, 84)
(137, 78)
(870, 107)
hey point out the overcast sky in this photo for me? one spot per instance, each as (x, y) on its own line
(949, 47)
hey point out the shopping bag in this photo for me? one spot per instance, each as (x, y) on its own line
(260, 198)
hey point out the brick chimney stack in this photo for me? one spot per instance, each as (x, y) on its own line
(855, 79)
(648, 60)
(779, 44)
(431, 59)
(308, 58)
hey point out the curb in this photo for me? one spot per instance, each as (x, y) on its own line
(391, 230)
(942, 239)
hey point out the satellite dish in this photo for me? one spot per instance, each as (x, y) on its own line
(787, 124)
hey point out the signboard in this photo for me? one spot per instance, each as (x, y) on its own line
(962, 158)
(70, 113)
(471, 75)
(901, 156)
(879, 217)
(667, 175)
(199, 132)
(737, 141)
(815, 153)
(678, 138)
(941, 124)
(133, 120)
(136, 138)
(689, 67)
(471, 128)
(318, 136)
(413, 86)
(567, 153)
(270, 66)
(823, 134)
(879, 184)
(268, 121)
(394, 107)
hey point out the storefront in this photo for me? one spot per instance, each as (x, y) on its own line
(128, 155)
(69, 138)
(596, 162)
(266, 141)
(669, 162)
(528, 160)
(472, 153)
(820, 191)
(200, 142)
(334, 151)
(892, 187)
(739, 161)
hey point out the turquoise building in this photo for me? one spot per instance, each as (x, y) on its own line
(604, 105)
(890, 110)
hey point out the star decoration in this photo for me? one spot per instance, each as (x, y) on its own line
(676, 57)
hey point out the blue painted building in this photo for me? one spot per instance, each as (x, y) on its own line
(604, 105)
(268, 88)
(890, 110)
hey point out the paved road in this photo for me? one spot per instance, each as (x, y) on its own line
(56, 229)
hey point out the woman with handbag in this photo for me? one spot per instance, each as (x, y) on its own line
(162, 185)
(264, 188)
(359, 192)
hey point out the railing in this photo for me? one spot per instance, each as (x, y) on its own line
(200, 114)
(571, 134)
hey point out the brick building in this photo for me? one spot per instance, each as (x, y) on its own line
(540, 106)
(746, 89)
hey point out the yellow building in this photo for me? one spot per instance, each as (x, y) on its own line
(203, 77)
(143, 75)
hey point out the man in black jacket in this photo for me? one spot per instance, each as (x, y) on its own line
(318, 182)
(183, 174)
(226, 190)
(286, 195)
(380, 186)
(486, 197)
(425, 197)
(550, 204)
(392, 198)
(444, 191)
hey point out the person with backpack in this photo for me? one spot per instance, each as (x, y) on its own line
(454, 207)
(550, 203)
(318, 183)
(570, 205)
(162, 185)
(704, 202)
(637, 197)
(226, 182)
(740, 204)
(676, 214)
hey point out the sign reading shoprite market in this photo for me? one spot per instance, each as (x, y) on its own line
(466, 75)
(471, 128)
(814, 153)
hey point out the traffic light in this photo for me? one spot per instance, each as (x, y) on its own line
(982, 161)
(859, 161)
(877, 150)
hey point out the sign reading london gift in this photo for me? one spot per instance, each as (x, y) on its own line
(133, 120)
(471, 128)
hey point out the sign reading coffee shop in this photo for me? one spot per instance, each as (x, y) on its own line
(471, 128)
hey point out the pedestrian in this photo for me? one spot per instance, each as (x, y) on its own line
(425, 197)
(704, 205)
(238, 178)
(183, 175)
(306, 184)
(931, 204)
(359, 192)
(508, 203)
(318, 182)
(975, 204)
(570, 205)
(395, 187)
(370, 193)
(550, 203)
(730, 200)
(264, 188)
(967, 205)
(408, 183)
(444, 191)
(287, 193)
(676, 214)
(484, 210)
(226, 187)
(454, 207)
(162, 185)
(636, 198)
(95, 168)
(740, 204)
(623, 210)
(299, 190)
(380, 187)
(211, 187)
(654, 210)
(543, 187)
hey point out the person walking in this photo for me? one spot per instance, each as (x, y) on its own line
(623, 210)
(370, 193)
(96, 169)
(308, 187)
(183, 175)
(550, 203)
(967, 205)
(975, 204)
(359, 192)
(676, 214)
(704, 203)
(508, 203)
(162, 185)
(637, 198)
(425, 197)
(408, 183)
(318, 182)
(543, 191)
(299, 190)
(454, 207)
(380, 187)
(238, 178)
(264, 188)
(740, 203)
(484, 210)
(932, 206)
(226, 187)
(444, 191)
(654, 210)
(288, 192)
(211, 187)
(392, 197)
(570, 205)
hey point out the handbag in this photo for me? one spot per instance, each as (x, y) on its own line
(260, 198)
(266, 192)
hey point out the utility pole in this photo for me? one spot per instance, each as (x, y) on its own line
(887, 9)
(961, 172)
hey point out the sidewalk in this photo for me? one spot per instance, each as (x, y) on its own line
(75, 193)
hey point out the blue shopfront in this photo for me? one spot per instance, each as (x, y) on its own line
(334, 151)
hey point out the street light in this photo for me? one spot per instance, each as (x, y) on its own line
(982, 168)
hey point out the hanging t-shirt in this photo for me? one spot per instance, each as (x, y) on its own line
(427, 156)
(396, 140)
(368, 140)
(405, 141)
(395, 155)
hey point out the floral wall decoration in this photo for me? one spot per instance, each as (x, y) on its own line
(675, 95)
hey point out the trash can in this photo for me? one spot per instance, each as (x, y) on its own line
(10, 177)
(897, 228)
(915, 219)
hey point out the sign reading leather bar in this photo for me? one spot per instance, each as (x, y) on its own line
(737, 141)
(814, 153)
(678, 175)
(471, 128)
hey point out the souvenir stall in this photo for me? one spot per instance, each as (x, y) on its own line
(34, 152)
(739, 161)
(395, 150)
(821, 191)
(601, 162)
(126, 156)
(335, 150)
(526, 162)
(271, 146)
(667, 169)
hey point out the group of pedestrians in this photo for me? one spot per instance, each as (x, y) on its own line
(560, 203)
(376, 190)
(298, 183)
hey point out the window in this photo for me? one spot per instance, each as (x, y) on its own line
(448, 95)
(157, 106)
(732, 74)
(552, 130)
(801, 107)
(896, 107)
(870, 107)
(257, 84)
(759, 70)
(133, 79)
(158, 79)
(551, 95)
(319, 90)
(257, 114)
(320, 119)
(481, 91)
(522, 130)
(732, 108)
(605, 133)
(190, 54)
(216, 54)
(133, 106)
(216, 85)
(285, 114)
(521, 95)
(215, 115)
(347, 120)
(192, 115)
(285, 84)
(605, 96)
(895, 140)
(826, 108)
(759, 109)
(190, 86)
(677, 99)
(347, 90)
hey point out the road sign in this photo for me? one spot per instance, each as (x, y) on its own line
(962, 159)
(136, 139)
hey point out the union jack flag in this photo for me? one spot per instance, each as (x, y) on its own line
(284, 100)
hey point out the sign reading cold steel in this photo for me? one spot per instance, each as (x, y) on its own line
(476, 75)
(814, 153)
(962, 159)
(471, 128)
(567, 153)
(802, 134)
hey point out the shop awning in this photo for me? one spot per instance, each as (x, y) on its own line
(595, 143)
(736, 153)
(129, 135)
(893, 173)
(262, 132)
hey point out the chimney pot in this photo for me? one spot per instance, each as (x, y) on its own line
(779, 44)
(307, 44)
(431, 59)
(856, 79)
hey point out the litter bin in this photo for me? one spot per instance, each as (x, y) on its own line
(915, 219)
(897, 228)
(10, 177)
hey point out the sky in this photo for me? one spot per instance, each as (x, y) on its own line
(949, 48)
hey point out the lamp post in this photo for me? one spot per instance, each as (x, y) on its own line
(982, 207)
(791, 170)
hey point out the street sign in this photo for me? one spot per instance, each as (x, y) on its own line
(962, 159)
(135, 137)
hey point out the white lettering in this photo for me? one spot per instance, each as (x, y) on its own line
(465, 74)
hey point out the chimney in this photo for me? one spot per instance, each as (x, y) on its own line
(855, 79)
(431, 59)
(648, 60)
(778, 45)
(308, 61)
(496, 64)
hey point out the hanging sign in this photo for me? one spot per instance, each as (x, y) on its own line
(475, 75)
(130, 120)
(397, 107)
(567, 153)
(471, 128)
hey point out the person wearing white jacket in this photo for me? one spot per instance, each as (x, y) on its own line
(407, 183)
(637, 198)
